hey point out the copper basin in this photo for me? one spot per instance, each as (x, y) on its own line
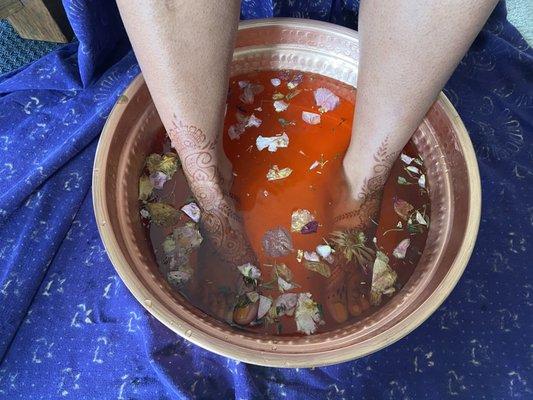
(330, 50)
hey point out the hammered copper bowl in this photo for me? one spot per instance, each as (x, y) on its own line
(329, 50)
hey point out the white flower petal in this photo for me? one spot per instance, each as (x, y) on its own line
(406, 159)
(307, 314)
(422, 181)
(420, 219)
(272, 143)
(192, 210)
(324, 250)
(249, 271)
(401, 249)
(413, 169)
(264, 305)
(280, 105)
(275, 82)
(311, 118)
(253, 121)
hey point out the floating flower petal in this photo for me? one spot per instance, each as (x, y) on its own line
(307, 314)
(249, 271)
(422, 181)
(383, 278)
(413, 169)
(253, 121)
(311, 118)
(280, 105)
(192, 210)
(285, 304)
(310, 227)
(275, 173)
(406, 159)
(311, 256)
(295, 81)
(275, 82)
(324, 250)
(273, 143)
(401, 249)
(420, 219)
(300, 218)
(158, 179)
(264, 305)
(326, 100)
(284, 286)
(236, 130)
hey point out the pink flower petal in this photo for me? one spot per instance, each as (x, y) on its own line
(326, 100)
(311, 118)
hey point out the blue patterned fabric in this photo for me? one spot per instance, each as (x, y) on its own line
(70, 329)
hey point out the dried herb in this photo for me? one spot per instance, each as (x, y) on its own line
(145, 188)
(351, 244)
(318, 267)
(162, 214)
(167, 163)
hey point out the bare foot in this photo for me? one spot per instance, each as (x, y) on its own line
(353, 216)
(336, 293)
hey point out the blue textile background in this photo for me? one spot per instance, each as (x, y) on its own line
(70, 329)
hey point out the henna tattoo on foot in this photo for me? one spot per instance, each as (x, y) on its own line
(220, 220)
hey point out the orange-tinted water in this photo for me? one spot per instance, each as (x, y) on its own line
(269, 204)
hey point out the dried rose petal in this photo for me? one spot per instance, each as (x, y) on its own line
(402, 208)
(311, 118)
(401, 249)
(310, 227)
(277, 242)
(326, 100)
